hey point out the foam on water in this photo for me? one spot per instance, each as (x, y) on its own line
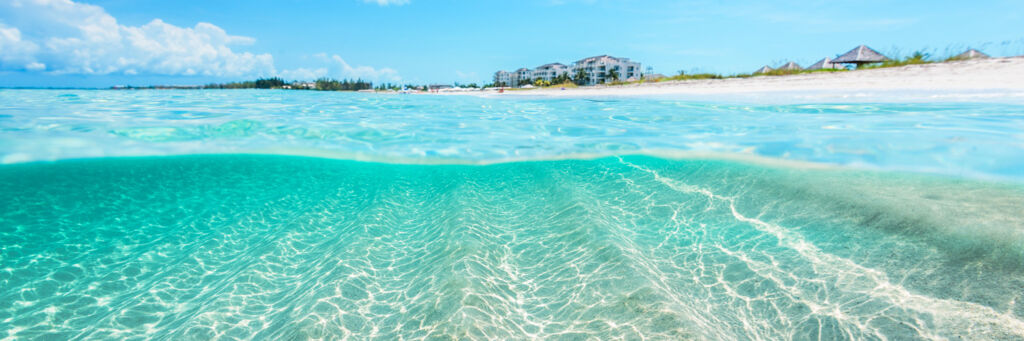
(277, 247)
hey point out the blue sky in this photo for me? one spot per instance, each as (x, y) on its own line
(108, 42)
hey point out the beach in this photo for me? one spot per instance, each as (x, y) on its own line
(968, 79)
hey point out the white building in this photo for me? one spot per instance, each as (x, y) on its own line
(596, 70)
(600, 69)
(521, 77)
(502, 78)
(548, 72)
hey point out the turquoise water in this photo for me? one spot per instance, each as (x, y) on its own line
(489, 218)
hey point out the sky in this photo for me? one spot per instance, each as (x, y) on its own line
(101, 43)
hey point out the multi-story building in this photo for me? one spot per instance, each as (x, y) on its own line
(521, 77)
(548, 72)
(596, 70)
(605, 68)
(503, 78)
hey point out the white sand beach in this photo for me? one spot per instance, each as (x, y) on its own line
(972, 79)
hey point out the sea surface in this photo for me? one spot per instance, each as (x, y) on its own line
(293, 215)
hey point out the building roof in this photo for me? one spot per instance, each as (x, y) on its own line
(824, 63)
(522, 69)
(596, 58)
(551, 65)
(791, 66)
(971, 54)
(861, 54)
(764, 69)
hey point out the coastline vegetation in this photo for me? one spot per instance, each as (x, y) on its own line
(322, 84)
(564, 80)
(916, 58)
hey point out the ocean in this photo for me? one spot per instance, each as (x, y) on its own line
(279, 215)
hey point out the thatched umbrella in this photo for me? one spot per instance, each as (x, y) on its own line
(860, 55)
(972, 54)
(791, 66)
(764, 69)
(825, 63)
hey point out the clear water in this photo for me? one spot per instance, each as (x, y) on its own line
(485, 218)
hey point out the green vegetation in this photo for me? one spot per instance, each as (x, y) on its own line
(388, 86)
(918, 57)
(262, 83)
(343, 85)
(566, 84)
(324, 84)
(612, 75)
(581, 77)
(682, 76)
(562, 79)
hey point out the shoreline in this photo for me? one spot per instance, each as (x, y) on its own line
(977, 78)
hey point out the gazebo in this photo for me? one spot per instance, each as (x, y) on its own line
(860, 55)
(791, 66)
(971, 54)
(764, 69)
(825, 63)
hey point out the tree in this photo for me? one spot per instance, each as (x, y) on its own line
(561, 79)
(581, 77)
(613, 75)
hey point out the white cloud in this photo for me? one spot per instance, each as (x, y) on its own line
(14, 50)
(304, 74)
(62, 37)
(336, 67)
(387, 2)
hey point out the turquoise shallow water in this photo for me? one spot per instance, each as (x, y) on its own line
(466, 246)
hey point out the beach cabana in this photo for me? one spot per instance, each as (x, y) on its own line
(763, 70)
(860, 55)
(791, 66)
(972, 54)
(825, 63)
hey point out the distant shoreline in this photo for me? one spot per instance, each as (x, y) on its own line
(1004, 76)
(976, 78)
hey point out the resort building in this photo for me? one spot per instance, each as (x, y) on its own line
(605, 68)
(791, 66)
(763, 70)
(521, 77)
(860, 55)
(548, 72)
(595, 70)
(503, 78)
(823, 64)
(971, 54)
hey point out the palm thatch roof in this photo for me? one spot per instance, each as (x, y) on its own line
(764, 69)
(791, 66)
(971, 54)
(824, 63)
(860, 55)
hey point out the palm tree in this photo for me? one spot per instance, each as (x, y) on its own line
(581, 77)
(613, 75)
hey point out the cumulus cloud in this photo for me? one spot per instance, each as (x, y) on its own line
(64, 37)
(387, 2)
(337, 67)
(15, 51)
